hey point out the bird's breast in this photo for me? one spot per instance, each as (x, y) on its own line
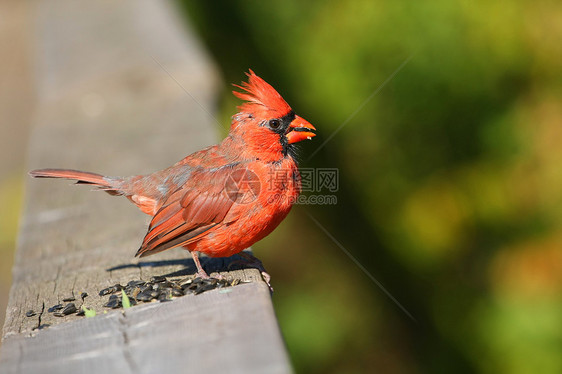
(264, 194)
(280, 183)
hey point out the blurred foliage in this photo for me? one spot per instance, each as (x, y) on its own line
(11, 189)
(450, 178)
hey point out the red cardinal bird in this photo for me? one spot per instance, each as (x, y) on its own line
(226, 197)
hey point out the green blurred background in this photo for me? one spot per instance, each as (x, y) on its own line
(450, 184)
(450, 178)
(17, 99)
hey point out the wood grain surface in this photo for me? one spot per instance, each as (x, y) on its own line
(123, 88)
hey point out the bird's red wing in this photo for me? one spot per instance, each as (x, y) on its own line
(191, 212)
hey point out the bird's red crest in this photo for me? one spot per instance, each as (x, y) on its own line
(260, 96)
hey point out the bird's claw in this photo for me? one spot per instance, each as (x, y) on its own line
(202, 274)
(252, 261)
(267, 279)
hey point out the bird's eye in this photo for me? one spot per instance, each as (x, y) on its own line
(274, 124)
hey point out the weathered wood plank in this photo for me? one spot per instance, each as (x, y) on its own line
(171, 337)
(106, 106)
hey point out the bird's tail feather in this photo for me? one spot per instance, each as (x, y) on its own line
(107, 184)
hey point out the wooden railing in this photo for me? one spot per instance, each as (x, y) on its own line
(120, 90)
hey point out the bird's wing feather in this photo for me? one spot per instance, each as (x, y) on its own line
(192, 211)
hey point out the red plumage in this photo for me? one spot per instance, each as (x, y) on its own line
(260, 96)
(226, 197)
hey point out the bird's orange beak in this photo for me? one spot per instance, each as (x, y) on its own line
(300, 129)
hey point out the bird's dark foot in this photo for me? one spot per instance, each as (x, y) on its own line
(253, 261)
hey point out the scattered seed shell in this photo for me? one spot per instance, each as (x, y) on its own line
(159, 288)
(69, 309)
(55, 308)
(135, 283)
(109, 290)
(157, 279)
(143, 296)
(113, 304)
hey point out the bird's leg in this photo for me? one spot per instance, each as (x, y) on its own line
(253, 261)
(200, 272)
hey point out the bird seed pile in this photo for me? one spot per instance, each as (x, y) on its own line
(158, 288)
